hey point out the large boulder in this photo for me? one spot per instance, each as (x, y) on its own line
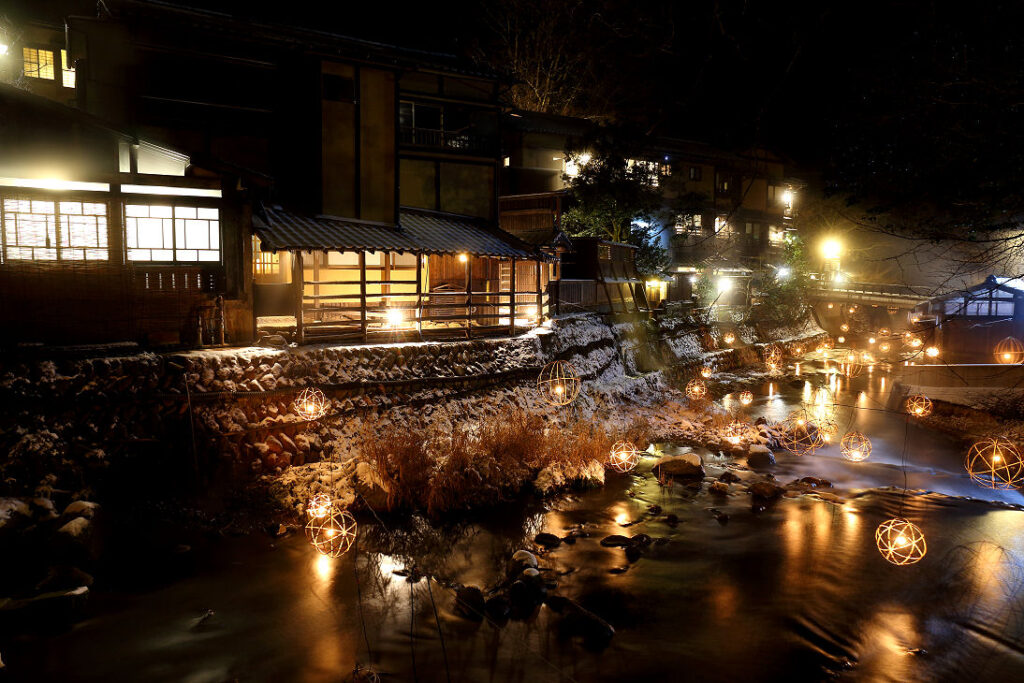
(759, 455)
(369, 486)
(684, 465)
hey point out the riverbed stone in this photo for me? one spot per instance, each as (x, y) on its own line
(684, 465)
(470, 603)
(719, 488)
(616, 541)
(520, 560)
(547, 540)
(759, 455)
(765, 490)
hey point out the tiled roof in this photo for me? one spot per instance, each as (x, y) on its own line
(418, 231)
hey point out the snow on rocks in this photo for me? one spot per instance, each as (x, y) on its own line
(683, 465)
(558, 476)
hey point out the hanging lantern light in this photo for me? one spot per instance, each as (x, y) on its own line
(932, 352)
(900, 541)
(919, 405)
(735, 432)
(624, 457)
(855, 446)
(852, 309)
(828, 342)
(1009, 351)
(746, 397)
(333, 534)
(319, 506)
(831, 305)
(995, 463)
(310, 404)
(696, 390)
(844, 327)
(827, 429)
(706, 371)
(849, 364)
(798, 435)
(559, 383)
(820, 404)
(884, 347)
(798, 350)
(884, 332)
(772, 354)
(729, 338)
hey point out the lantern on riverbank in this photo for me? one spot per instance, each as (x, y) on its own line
(798, 435)
(844, 327)
(319, 506)
(310, 404)
(333, 534)
(746, 397)
(735, 432)
(798, 350)
(624, 457)
(919, 405)
(820, 404)
(827, 429)
(884, 332)
(706, 371)
(855, 446)
(849, 364)
(559, 383)
(900, 541)
(696, 390)
(995, 463)
(729, 338)
(1009, 351)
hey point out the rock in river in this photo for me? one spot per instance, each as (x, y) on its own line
(521, 559)
(547, 540)
(765, 490)
(469, 602)
(684, 465)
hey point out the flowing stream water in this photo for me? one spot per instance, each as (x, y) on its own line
(794, 592)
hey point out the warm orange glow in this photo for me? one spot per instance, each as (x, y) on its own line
(995, 463)
(919, 405)
(855, 446)
(559, 383)
(624, 457)
(900, 541)
(1009, 351)
(463, 258)
(311, 403)
(696, 389)
(746, 397)
(706, 372)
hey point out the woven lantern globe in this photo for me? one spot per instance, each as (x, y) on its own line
(706, 371)
(333, 534)
(855, 446)
(559, 383)
(746, 397)
(820, 405)
(735, 432)
(798, 350)
(772, 354)
(844, 327)
(696, 390)
(827, 429)
(900, 541)
(624, 457)
(319, 506)
(729, 337)
(310, 404)
(884, 332)
(884, 347)
(828, 342)
(995, 463)
(919, 405)
(1009, 351)
(798, 435)
(849, 364)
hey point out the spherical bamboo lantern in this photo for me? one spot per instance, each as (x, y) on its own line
(706, 371)
(844, 327)
(884, 332)
(932, 352)
(624, 457)
(798, 350)
(319, 506)
(919, 405)
(1009, 351)
(884, 347)
(831, 305)
(915, 343)
(828, 342)
(855, 446)
(772, 354)
(842, 340)
(798, 435)
(310, 404)
(851, 309)
(333, 534)
(746, 397)
(735, 432)
(900, 541)
(696, 390)
(995, 463)
(820, 405)
(850, 365)
(729, 337)
(559, 383)
(827, 429)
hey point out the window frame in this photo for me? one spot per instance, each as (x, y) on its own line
(39, 50)
(173, 202)
(57, 198)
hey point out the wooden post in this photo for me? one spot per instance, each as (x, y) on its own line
(297, 287)
(419, 294)
(362, 292)
(469, 296)
(512, 301)
(540, 298)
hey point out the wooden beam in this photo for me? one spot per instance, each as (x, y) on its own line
(362, 292)
(512, 301)
(297, 292)
(419, 294)
(469, 295)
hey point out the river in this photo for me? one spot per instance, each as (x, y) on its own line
(795, 592)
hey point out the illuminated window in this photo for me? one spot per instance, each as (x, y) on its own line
(722, 181)
(688, 224)
(604, 252)
(264, 262)
(776, 235)
(156, 232)
(38, 63)
(695, 173)
(35, 230)
(67, 73)
(722, 225)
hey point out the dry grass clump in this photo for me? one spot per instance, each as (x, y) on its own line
(440, 468)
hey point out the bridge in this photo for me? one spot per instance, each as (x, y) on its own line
(868, 293)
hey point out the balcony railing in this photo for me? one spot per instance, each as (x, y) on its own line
(465, 143)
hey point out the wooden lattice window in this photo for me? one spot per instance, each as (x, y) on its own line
(44, 230)
(264, 263)
(67, 73)
(37, 63)
(159, 232)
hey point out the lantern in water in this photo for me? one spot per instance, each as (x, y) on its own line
(830, 304)
(706, 371)
(735, 432)
(995, 463)
(1009, 351)
(333, 534)
(310, 404)
(900, 541)
(932, 352)
(884, 347)
(772, 354)
(855, 446)
(729, 338)
(798, 350)
(916, 343)
(624, 457)
(842, 340)
(884, 332)
(849, 364)
(919, 405)
(696, 389)
(559, 383)
(798, 435)
(852, 309)
(827, 429)
(820, 404)
(319, 506)
(746, 397)
(844, 327)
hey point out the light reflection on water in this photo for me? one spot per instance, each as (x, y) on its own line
(796, 591)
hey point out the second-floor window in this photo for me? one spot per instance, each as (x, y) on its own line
(722, 182)
(67, 73)
(37, 63)
(695, 173)
(165, 233)
(688, 225)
